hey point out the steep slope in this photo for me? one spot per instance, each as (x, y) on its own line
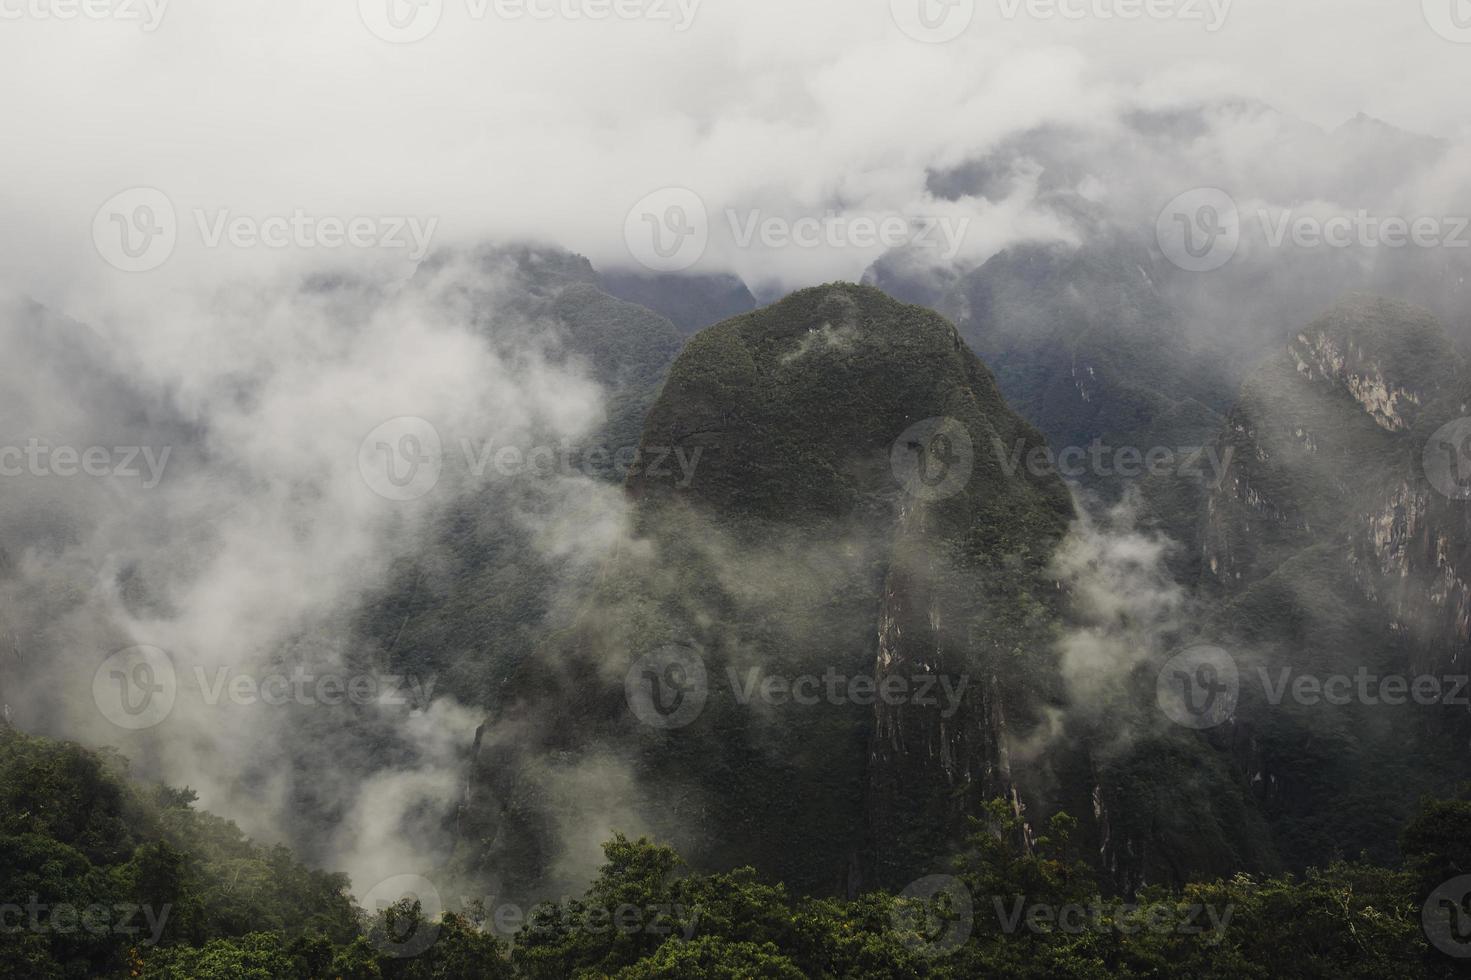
(845, 517)
(78, 835)
(1334, 548)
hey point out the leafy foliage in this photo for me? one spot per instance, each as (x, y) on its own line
(74, 830)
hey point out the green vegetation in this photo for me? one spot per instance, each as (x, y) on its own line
(102, 865)
(76, 833)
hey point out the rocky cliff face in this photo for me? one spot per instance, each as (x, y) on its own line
(1330, 441)
(1331, 548)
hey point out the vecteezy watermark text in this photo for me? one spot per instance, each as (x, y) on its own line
(669, 687)
(1362, 229)
(1077, 918)
(404, 458)
(407, 21)
(40, 459)
(300, 229)
(303, 687)
(939, 21)
(936, 914)
(138, 687)
(1202, 229)
(124, 919)
(1211, 14)
(138, 229)
(921, 689)
(669, 230)
(1201, 687)
(492, 914)
(625, 919)
(147, 13)
(834, 230)
(1204, 463)
(1364, 688)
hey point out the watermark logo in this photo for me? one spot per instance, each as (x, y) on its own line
(136, 230)
(667, 688)
(1451, 19)
(1447, 459)
(668, 230)
(403, 936)
(136, 688)
(401, 459)
(1199, 687)
(1200, 230)
(1446, 917)
(934, 915)
(933, 21)
(401, 21)
(933, 459)
(148, 13)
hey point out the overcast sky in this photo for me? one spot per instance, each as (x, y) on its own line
(502, 124)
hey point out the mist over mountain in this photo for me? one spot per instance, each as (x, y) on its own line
(701, 489)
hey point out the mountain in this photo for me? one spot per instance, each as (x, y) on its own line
(839, 512)
(472, 605)
(691, 301)
(1335, 547)
(1325, 550)
(1087, 347)
(510, 292)
(1093, 334)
